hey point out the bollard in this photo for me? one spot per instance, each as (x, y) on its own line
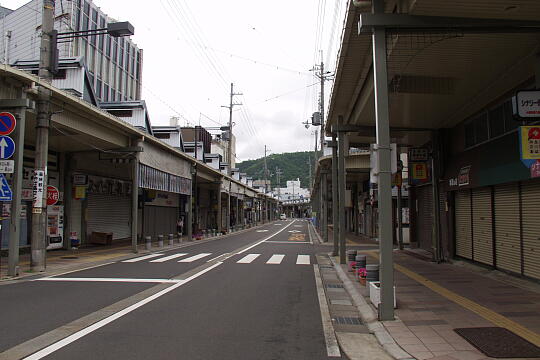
(171, 239)
(148, 240)
(372, 271)
(160, 241)
(351, 259)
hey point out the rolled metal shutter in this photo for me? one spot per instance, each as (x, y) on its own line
(109, 213)
(424, 219)
(482, 226)
(463, 224)
(507, 229)
(530, 197)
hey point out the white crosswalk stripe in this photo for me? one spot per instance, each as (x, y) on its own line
(275, 259)
(195, 257)
(142, 258)
(303, 260)
(248, 258)
(166, 258)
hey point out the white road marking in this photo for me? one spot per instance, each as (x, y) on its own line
(166, 258)
(195, 257)
(142, 258)
(262, 230)
(275, 259)
(288, 242)
(248, 258)
(303, 260)
(79, 334)
(109, 280)
(263, 240)
(332, 347)
(217, 257)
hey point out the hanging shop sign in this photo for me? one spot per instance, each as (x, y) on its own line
(535, 169)
(419, 171)
(418, 154)
(37, 191)
(80, 179)
(464, 176)
(530, 142)
(526, 104)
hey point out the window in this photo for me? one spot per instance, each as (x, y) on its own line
(496, 121)
(481, 131)
(121, 113)
(490, 124)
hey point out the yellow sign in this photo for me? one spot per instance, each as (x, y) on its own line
(530, 142)
(80, 192)
(419, 171)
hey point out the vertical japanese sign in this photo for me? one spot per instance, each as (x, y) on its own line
(37, 191)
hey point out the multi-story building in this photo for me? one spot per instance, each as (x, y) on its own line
(113, 65)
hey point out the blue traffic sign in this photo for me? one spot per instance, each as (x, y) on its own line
(5, 190)
(7, 123)
(7, 147)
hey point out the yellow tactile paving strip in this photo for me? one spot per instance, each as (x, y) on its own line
(468, 304)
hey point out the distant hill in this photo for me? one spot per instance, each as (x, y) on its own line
(293, 165)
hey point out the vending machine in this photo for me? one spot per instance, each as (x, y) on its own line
(55, 227)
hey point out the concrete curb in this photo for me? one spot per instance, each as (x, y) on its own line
(369, 317)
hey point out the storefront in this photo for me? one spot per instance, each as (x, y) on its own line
(496, 208)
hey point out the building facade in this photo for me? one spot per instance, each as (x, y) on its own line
(114, 64)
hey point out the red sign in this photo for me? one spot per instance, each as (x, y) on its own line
(7, 123)
(535, 169)
(52, 195)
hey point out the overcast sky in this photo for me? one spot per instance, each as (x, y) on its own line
(193, 50)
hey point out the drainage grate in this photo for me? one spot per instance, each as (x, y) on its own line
(342, 320)
(334, 286)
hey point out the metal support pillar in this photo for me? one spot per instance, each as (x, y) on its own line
(324, 206)
(135, 199)
(341, 193)
(190, 204)
(436, 229)
(15, 219)
(219, 216)
(335, 200)
(228, 212)
(386, 308)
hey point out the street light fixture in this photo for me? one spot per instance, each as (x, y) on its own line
(48, 65)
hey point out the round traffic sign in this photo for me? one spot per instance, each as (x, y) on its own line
(7, 123)
(7, 147)
(52, 195)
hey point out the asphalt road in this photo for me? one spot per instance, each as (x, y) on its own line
(248, 296)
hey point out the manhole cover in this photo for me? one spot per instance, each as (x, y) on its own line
(497, 342)
(343, 320)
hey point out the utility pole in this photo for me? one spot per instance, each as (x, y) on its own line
(39, 206)
(232, 104)
(323, 76)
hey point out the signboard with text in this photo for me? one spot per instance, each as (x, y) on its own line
(37, 191)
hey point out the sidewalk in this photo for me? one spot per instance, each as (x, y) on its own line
(434, 299)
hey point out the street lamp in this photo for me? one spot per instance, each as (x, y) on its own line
(48, 65)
